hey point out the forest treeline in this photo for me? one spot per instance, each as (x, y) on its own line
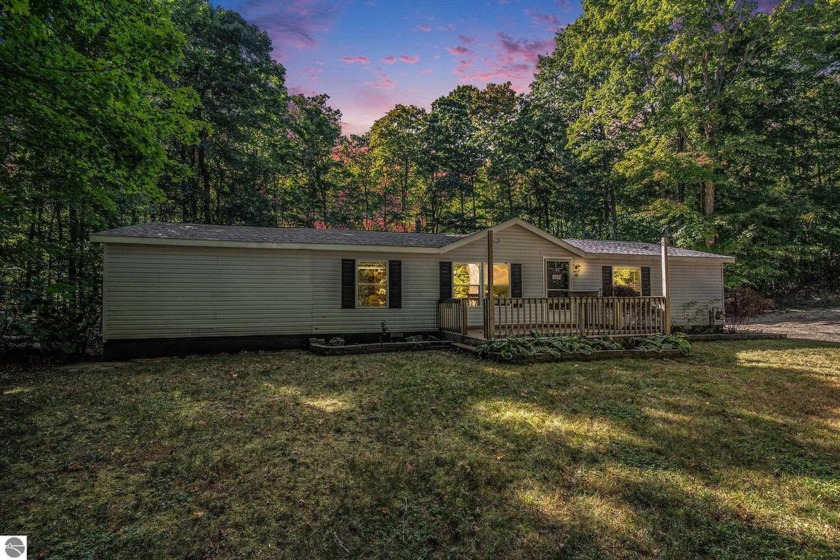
(710, 118)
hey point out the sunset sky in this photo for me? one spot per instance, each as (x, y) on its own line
(369, 55)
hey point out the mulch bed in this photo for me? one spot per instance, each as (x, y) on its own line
(734, 336)
(352, 349)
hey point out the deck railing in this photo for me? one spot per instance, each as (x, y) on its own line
(452, 316)
(585, 316)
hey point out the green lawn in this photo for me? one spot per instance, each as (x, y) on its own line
(733, 452)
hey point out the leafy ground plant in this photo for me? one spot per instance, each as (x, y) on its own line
(729, 453)
(529, 346)
(658, 343)
(513, 348)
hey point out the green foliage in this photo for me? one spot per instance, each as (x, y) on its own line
(516, 348)
(229, 173)
(85, 111)
(527, 347)
(717, 121)
(658, 343)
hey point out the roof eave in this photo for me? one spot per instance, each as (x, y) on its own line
(509, 223)
(166, 242)
(689, 258)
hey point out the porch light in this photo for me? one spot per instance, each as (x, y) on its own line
(577, 270)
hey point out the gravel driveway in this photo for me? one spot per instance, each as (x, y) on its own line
(815, 324)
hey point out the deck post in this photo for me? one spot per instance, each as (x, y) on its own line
(491, 306)
(465, 327)
(666, 290)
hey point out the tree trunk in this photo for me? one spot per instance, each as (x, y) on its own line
(205, 180)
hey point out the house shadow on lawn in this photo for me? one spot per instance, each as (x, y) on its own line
(733, 452)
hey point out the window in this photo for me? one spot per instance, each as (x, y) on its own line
(501, 280)
(469, 281)
(629, 276)
(372, 284)
(466, 282)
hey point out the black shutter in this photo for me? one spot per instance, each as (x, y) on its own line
(395, 284)
(445, 280)
(516, 280)
(606, 279)
(645, 280)
(348, 283)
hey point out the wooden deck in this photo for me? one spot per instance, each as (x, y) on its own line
(581, 316)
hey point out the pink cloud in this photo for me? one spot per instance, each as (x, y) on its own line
(460, 50)
(304, 91)
(382, 81)
(314, 74)
(293, 24)
(461, 69)
(513, 61)
(424, 28)
(466, 39)
(426, 71)
(356, 60)
(447, 27)
(390, 59)
(523, 48)
(546, 19)
(413, 59)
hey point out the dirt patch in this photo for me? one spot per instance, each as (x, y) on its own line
(814, 324)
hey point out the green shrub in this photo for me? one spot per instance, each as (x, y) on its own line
(513, 348)
(660, 342)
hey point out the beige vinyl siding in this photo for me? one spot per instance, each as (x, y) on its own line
(176, 292)
(156, 291)
(420, 293)
(696, 286)
(694, 283)
(513, 245)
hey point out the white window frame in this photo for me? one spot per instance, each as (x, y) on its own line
(486, 268)
(637, 267)
(359, 303)
(483, 267)
(480, 284)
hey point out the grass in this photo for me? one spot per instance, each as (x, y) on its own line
(731, 453)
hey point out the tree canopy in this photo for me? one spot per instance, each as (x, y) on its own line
(714, 119)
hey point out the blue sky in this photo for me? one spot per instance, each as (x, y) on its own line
(369, 55)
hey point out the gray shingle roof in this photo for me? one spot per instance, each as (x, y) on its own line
(203, 232)
(636, 248)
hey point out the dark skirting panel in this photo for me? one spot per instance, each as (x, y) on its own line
(162, 347)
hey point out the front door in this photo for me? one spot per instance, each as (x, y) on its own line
(557, 278)
(557, 286)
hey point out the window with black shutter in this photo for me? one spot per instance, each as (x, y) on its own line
(395, 284)
(445, 280)
(606, 279)
(515, 280)
(348, 283)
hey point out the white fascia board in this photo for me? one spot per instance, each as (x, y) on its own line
(153, 241)
(514, 222)
(162, 242)
(646, 258)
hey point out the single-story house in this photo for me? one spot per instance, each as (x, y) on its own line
(176, 287)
